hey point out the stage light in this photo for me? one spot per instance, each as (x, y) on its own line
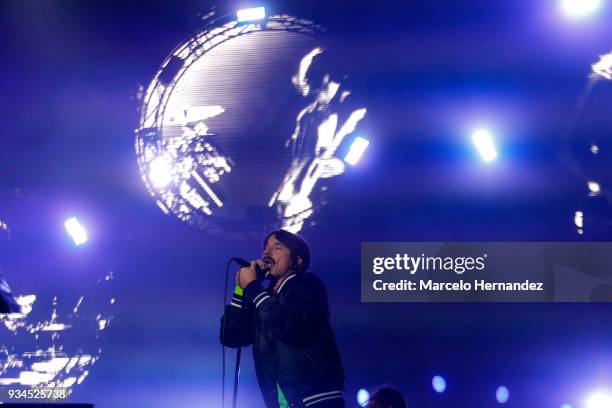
(363, 396)
(580, 8)
(159, 172)
(251, 14)
(594, 188)
(439, 384)
(579, 219)
(566, 406)
(599, 400)
(485, 145)
(356, 150)
(602, 69)
(502, 394)
(76, 231)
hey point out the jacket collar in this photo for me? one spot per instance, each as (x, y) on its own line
(293, 275)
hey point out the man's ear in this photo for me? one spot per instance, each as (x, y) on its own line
(298, 261)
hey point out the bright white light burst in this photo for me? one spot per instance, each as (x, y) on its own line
(580, 8)
(159, 172)
(251, 14)
(356, 151)
(579, 219)
(363, 396)
(594, 187)
(485, 145)
(603, 67)
(76, 231)
(599, 400)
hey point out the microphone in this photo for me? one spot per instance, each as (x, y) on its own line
(261, 273)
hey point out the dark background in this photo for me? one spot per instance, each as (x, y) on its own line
(430, 71)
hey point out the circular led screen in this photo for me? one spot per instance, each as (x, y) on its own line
(243, 122)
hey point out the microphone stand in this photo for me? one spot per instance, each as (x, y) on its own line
(261, 277)
(236, 374)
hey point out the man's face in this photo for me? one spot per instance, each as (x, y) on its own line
(278, 256)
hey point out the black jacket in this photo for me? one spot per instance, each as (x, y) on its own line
(293, 343)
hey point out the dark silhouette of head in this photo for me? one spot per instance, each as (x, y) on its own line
(386, 397)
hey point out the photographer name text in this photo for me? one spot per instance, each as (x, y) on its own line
(460, 286)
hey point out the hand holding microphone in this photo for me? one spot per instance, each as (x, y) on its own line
(251, 271)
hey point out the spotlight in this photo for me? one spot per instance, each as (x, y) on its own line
(439, 384)
(502, 394)
(363, 396)
(159, 172)
(484, 143)
(251, 14)
(76, 231)
(356, 151)
(599, 400)
(579, 219)
(566, 406)
(580, 8)
(594, 188)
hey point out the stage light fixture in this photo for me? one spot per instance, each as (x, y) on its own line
(76, 231)
(502, 394)
(363, 396)
(251, 14)
(579, 219)
(580, 8)
(599, 399)
(439, 384)
(594, 188)
(356, 150)
(483, 141)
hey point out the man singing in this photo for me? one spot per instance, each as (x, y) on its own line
(296, 358)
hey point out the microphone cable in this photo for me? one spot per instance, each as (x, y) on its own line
(223, 332)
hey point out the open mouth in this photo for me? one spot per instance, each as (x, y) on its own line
(268, 261)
